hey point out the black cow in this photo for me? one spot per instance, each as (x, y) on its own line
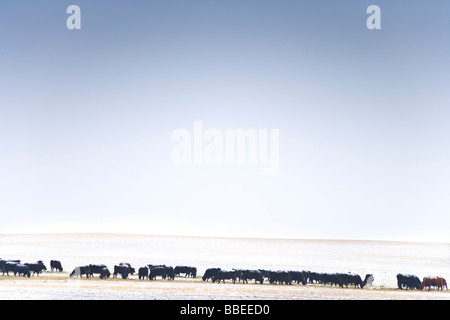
(223, 275)
(143, 273)
(132, 270)
(162, 271)
(8, 265)
(188, 271)
(152, 266)
(79, 271)
(36, 267)
(331, 278)
(349, 278)
(95, 268)
(313, 277)
(210, 273)
(298, 277)
(104, 273)
(157, 271)
(238, 273)
(170, 273)
(251, 274)
(55, 264)
(265, 273)
(123, 270)
(281, 277)
(22, 270)
(408, 281)
(307, 275)
(3, 263)
(310, 276)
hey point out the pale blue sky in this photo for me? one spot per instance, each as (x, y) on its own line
(86, 117)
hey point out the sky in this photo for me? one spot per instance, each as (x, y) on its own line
(87, 118)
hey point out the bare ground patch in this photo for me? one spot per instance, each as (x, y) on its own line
(60, 286)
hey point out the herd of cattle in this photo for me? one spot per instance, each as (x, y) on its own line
(124, 270)
(151, 272)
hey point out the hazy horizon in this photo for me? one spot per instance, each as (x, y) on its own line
(119, 234)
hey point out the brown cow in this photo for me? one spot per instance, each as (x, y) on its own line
(443, 283)
(437, 282)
